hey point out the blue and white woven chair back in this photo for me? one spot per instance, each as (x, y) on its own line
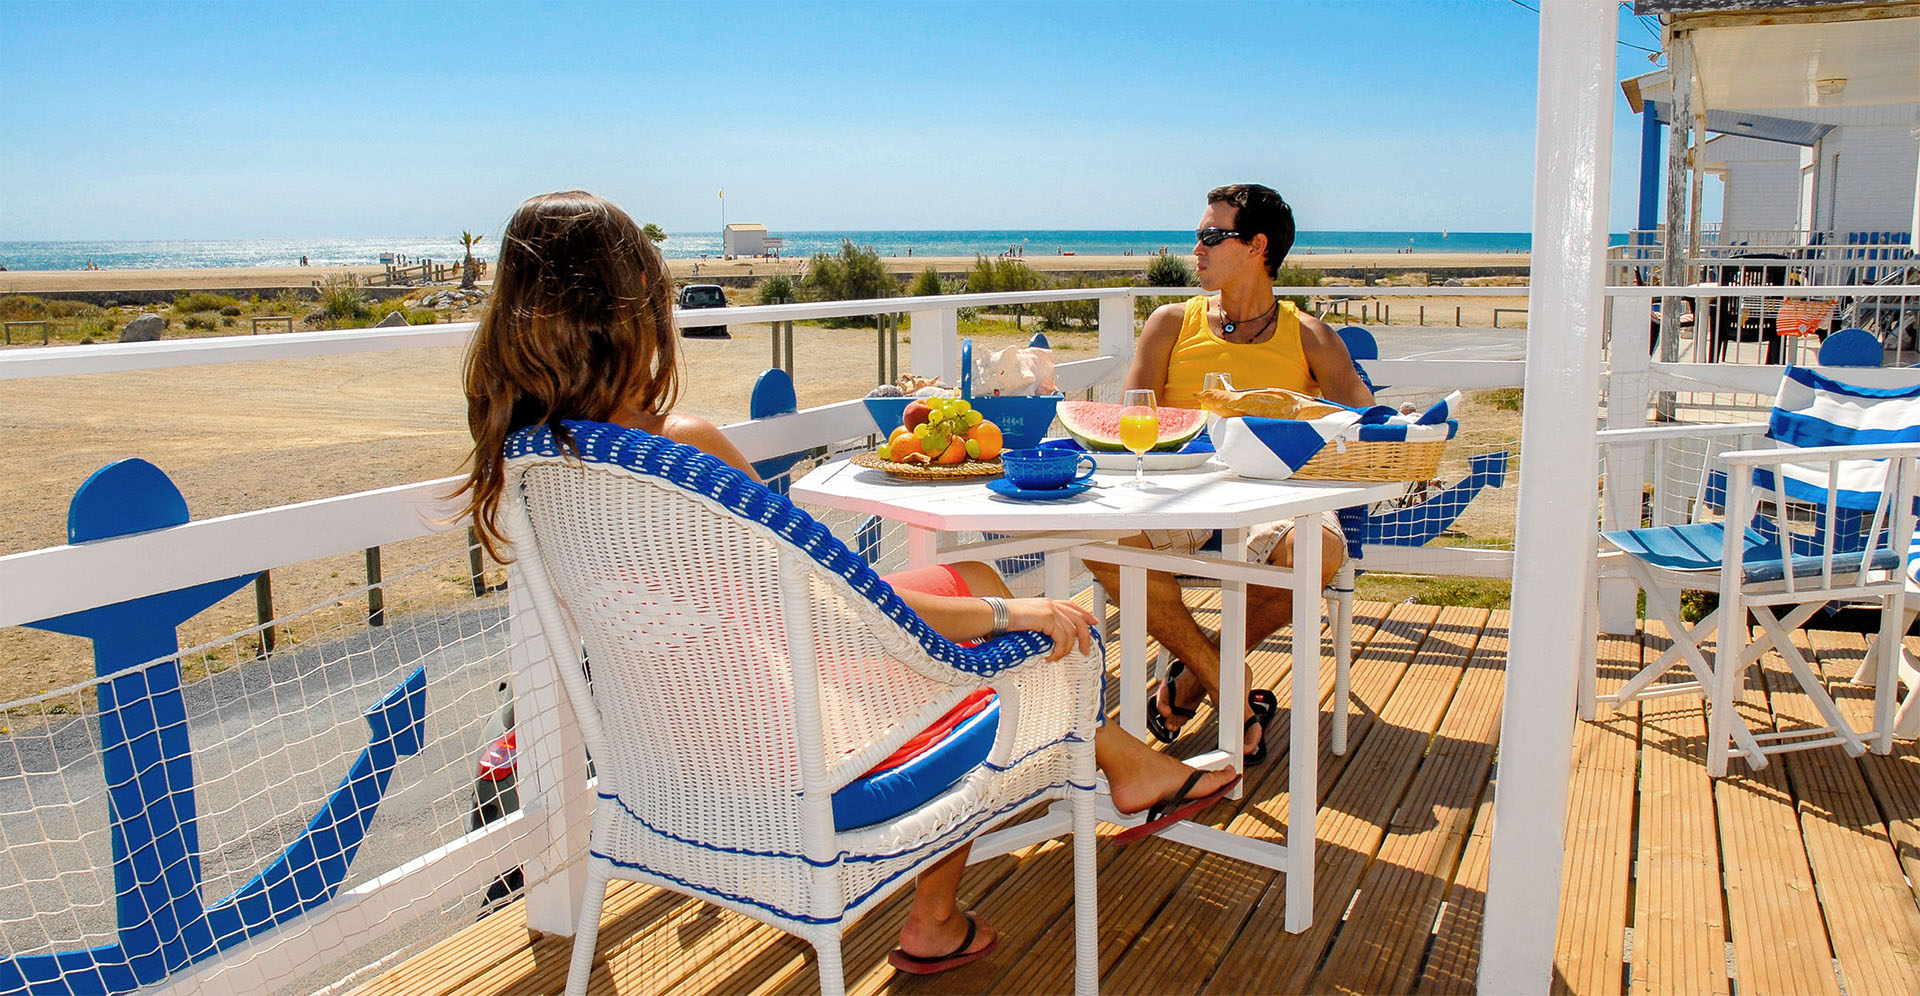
(1810, 411)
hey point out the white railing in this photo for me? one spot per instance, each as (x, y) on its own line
(545, 835)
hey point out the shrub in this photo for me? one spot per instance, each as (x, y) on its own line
(856, 274)
(927, 284)
(1506, 398)
(231, 311)
(71, 309)
(989, 276)
(341, 297)
(1170, 271)
(22, 308)
(776, 290)
(1297, 276)
(204, 301)
(199, 322)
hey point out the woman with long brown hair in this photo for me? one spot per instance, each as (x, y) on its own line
(580, 326)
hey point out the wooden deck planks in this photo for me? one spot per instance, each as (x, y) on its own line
(1454, 958)
(1679, 926)
(1404, 824)
(1854, 863)
(1773, 916)
(1353, 816)
(1589, 951)
(1386, 933)
(1220, 892)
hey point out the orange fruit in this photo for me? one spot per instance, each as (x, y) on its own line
(897, 433)
(988, 436)
(956, 452)
(902, 446)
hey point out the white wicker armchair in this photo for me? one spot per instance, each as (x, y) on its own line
(745, 666)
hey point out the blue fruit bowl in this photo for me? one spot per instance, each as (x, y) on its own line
(1023, 421)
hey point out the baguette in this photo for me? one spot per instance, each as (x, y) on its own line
(1265, 402)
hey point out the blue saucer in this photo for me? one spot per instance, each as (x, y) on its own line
(1005, 488)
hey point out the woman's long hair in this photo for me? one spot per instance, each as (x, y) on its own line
(580, 322)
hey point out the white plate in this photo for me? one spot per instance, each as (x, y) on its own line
(1155, 461)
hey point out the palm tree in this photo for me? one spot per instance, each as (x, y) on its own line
(467, 271)
(654, 233)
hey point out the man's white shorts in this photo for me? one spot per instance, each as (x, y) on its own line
(1261, 539)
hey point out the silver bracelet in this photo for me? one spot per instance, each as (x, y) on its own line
(1000, 616)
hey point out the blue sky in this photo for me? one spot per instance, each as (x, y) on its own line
(179, 120)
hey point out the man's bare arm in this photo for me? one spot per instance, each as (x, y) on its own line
(1332, 365)
(1155, 347)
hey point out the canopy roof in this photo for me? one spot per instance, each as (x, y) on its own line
(1799, 53)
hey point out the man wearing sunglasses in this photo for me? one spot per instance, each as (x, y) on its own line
(1259, 341)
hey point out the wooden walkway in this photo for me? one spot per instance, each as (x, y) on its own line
(1794, 880)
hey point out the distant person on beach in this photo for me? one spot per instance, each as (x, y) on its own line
(580, 326)
(1258, 340)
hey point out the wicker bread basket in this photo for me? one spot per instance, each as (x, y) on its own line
(1374, 460)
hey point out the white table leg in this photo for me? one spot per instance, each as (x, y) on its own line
(1303, 754)
(1233, 654)
(1133, 650)
(923, 546)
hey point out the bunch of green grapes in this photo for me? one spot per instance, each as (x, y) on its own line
(950, 419)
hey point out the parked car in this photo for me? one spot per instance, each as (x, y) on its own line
(703, 296)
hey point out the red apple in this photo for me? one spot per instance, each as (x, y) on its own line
(917, 413)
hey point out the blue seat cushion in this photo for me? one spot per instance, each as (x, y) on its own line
(1697, 547)
(883, 795)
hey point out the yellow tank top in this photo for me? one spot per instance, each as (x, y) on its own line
(1277, 362)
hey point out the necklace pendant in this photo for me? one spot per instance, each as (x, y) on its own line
(1227, 327)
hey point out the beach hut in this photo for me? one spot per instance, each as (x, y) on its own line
(744, 240)
(1808, 115)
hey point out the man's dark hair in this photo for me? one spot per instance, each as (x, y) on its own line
(1259, 210)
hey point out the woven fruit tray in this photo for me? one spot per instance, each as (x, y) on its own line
(929, 472)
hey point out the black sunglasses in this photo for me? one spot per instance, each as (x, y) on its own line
(1211, 237)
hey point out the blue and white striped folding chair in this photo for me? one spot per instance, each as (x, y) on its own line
(1826, 513)
(750, 676)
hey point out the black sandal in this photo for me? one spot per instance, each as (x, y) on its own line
(1156, 723)
(1265, 706)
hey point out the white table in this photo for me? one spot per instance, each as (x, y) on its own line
(1207, 498)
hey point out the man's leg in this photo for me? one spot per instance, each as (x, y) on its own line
(1170, 622)
(1268, 609)
(934, 924)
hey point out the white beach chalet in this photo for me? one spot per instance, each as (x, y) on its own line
(1811, 120)
(744, 240)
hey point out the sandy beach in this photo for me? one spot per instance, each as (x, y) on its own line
(230, 278)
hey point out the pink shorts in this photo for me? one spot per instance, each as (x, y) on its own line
(933, 579)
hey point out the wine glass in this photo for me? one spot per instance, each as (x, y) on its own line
(1139, 430)
(1216, 380)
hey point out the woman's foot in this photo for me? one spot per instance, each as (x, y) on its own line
(928, 943)
(1152, 777)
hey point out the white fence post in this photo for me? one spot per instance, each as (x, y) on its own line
(1554, 539)
(936, 343)
(1116, 337)
(552, 769)
(1626, 469)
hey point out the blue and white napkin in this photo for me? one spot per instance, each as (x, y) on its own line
(1274, 449)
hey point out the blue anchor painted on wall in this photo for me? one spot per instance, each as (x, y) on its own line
(147, 762)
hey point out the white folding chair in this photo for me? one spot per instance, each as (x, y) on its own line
(1817, 524)
(748, 672)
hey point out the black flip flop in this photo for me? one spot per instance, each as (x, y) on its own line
(933, 965)
(1162, 815)
(1265, 706)
(1156, 723)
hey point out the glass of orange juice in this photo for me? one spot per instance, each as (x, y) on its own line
(1139, 430)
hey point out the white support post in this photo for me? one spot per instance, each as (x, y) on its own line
(1913, 226)
(1116, 333)
(552, 768)
(935, 349)
(1573, 150)
(1627, 395)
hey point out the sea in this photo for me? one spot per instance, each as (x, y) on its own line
(192, 254)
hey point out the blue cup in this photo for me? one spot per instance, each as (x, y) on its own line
(1045, 469)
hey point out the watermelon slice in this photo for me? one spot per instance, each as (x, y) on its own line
(1096, 424)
